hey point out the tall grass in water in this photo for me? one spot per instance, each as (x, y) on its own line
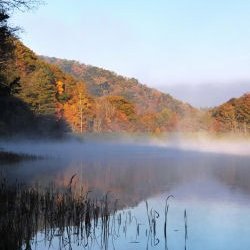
(25, 211)
(152, 215)
(29, 213)
(186, 228)
(166, 220)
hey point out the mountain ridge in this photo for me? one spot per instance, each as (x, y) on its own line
(212, 119)
(66, 96)
(100, 82)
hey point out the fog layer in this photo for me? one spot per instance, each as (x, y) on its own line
(107, 146)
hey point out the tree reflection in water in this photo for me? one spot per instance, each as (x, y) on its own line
(30, 215)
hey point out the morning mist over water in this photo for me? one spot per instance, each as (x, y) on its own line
(100, 156)
(209, 183)
(94, 156)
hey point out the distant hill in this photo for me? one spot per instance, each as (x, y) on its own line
(154, 111)
(233, 116)
(102, 82)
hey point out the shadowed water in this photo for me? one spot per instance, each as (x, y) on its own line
(210, 208)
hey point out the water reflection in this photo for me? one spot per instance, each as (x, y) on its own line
(210, 209)
(133, 173)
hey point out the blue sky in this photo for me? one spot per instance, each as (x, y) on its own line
(163, 43)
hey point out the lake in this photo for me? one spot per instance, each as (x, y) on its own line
(209, 207)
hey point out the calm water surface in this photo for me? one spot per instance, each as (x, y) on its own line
(213, 188)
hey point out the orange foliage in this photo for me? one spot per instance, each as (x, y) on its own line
(60, 87)
(78, 110)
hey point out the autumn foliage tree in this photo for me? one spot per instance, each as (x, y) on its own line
(233, 116)
(78, 109)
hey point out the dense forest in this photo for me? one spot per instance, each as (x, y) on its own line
(157, 111)
(49, 96)
(39, 98)
(233, 116)
(149, 110)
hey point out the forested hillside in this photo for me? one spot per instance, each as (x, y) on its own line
(46, 100)
(101, 82)
(39, 98)
(153, 111)
(50, 96)
(233, 116)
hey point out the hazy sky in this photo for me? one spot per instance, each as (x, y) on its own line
(166, 44)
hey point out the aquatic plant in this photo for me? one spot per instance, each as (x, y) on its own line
(30, 214)
(25, 211)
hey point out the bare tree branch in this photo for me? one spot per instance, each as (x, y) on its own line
(21, 5)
